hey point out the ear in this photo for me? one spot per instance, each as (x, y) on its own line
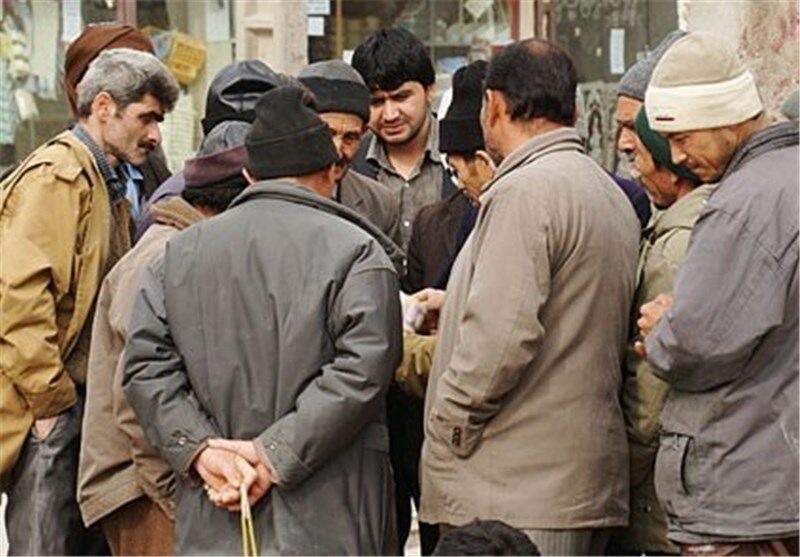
(484, 165)
(495, 105)
(103, 106)
(430, 92)
(483, 157)
(248, 177)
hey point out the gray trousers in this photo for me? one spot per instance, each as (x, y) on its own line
(587, 541)
(42, 517)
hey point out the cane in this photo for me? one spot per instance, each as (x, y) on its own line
(249, 548)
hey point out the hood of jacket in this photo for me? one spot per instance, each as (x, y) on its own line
(285, 191)
(234, 91)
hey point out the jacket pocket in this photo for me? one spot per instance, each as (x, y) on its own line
(672, 472)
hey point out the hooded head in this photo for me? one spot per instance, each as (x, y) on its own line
(235, 90)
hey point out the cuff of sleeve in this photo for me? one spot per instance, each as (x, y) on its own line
(54, 400)
(282, 460)
(182, 451)
(657, 356)
(462, 441)
(265, 459)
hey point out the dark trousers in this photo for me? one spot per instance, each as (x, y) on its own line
(42, 517)
(405, 415)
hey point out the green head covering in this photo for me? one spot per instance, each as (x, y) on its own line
(659, 148)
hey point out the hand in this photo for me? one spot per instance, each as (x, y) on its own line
(246, 450)
(43, 427)
(650, 313)
(432, 300)
(223, 472)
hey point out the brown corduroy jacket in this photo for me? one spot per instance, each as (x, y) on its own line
(117, 464)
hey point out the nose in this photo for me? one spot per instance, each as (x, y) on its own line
(154, 134)
(390, 111)
(338, 141)
(626, 142)
(677, 154)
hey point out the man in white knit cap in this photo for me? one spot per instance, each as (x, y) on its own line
(726, 471)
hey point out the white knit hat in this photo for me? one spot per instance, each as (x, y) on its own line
(700, 83)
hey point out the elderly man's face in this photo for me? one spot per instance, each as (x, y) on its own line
(660, 182)
(346, 131)
(130, 133)
(705, 152)
(625, 115)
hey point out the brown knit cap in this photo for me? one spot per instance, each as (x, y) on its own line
(90, 43)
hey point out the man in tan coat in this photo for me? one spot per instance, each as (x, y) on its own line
(63, 223)
(523, 421)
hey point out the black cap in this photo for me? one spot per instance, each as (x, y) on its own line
(460, 129)
(288, 138)
(337, 87)
(235, 90)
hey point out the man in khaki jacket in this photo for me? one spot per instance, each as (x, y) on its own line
(63, 223)
(124, 484)
(523, 421)
(676, 192)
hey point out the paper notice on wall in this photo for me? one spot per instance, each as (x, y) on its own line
(71, 22)
(218, 23)
(44, 14)
(316, 26)
(319, 7)
(616, 51)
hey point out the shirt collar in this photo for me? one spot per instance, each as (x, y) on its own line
(376, 151)
(115, 186)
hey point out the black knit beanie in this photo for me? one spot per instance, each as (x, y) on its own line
(337, 87)
(287, 137)
(460, 129)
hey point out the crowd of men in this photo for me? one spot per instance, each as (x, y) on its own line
(346, 306)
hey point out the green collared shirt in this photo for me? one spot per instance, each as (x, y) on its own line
(423, 186)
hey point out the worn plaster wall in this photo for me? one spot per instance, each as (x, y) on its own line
(766, 33)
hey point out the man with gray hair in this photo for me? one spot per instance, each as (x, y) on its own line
(64, 221)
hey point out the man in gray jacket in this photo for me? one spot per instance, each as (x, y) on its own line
(523, 420)
(261, 348)
(726, 470)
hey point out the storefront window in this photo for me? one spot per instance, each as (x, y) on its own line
(34, 35)
(455, 31)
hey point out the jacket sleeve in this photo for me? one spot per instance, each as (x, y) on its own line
(499, 331)
(39, 232)
(155, 381)
(349, 392)
(703, 341)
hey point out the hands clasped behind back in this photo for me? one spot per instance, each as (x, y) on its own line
(225, 464)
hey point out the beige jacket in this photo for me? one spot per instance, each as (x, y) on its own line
(117, 464)
(56, 244)
(523, 421)
(662, 251)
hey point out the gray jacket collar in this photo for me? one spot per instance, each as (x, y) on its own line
(286, 191)
(562, 139)
(770, 138)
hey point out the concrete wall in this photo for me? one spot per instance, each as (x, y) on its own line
(766, 32)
